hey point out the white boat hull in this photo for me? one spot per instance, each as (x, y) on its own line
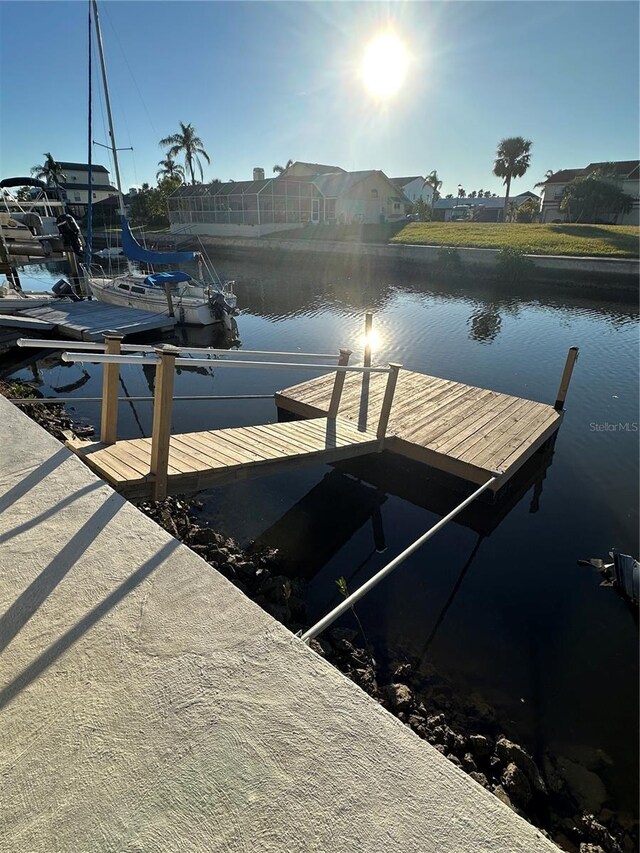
(188, 310)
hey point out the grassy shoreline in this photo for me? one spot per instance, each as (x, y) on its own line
(604, 241)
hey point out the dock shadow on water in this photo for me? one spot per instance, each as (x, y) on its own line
(492, 624)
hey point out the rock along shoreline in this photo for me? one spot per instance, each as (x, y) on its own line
(464, 729)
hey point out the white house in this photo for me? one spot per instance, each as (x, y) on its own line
(414, 188)
(76, 184)
(624, 173)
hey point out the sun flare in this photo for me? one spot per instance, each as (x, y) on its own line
(385, 65)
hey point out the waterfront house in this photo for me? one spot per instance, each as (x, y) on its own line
(76, 185)
(624, 173)
(303, 194)
(414, 188)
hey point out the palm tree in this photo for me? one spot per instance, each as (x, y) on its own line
(189, 143)
(512, 161)
(278, 170)
(51, 172)
(548, 174)
(169, 169)
(461, 191)
(432, 180)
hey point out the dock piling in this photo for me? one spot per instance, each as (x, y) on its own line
(368, 328)
(162, 408)
(110, 376)
(572, 357)
(385, 411)
(338, 385)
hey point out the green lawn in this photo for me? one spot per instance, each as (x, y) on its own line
(620, 241)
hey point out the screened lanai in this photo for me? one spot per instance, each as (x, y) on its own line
(274, 201)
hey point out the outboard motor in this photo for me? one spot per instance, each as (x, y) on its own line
(70, 232)
(63, 288)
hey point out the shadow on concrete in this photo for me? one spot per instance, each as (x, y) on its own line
(60, 646)
(36, 476)
(31, 599)
(54, 510)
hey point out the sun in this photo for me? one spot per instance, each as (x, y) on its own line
(385, 65)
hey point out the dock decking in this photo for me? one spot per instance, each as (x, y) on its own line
(88, 320)
(198, 460)
(470, 432)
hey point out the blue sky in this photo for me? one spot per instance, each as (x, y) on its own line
(263, 82)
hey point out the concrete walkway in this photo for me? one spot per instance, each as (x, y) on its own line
(147, 705)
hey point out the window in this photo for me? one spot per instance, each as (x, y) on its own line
(135, 289)
(123, 286)
(396, 205)
(76, 197)
(374, 193)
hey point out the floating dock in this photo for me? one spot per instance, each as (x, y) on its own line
(471, 433)
(88, 320)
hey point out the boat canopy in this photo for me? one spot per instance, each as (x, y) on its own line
(22, 182)
(135, 252)
(159, 279)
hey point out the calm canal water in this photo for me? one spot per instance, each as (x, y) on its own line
(525, 628)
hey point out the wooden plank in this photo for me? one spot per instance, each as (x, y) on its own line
(531, 424)
(496, 430)
(496, 418)
(447, 418)
(139, 450)
(473, 423)
(227, 449)
(15, 321)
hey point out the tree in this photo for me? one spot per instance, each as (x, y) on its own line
(422, 210)
(449, 195)
(23, 194)
(278, 170)
(528, 211)
(187, 142)
(51, 172)
(587, 199)
(149, 207)
(480, 193)
(512, 161)
(461, 191)
(432, 180)
(473, 194)
(169, 169)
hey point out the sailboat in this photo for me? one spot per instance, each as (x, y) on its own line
(193, 300)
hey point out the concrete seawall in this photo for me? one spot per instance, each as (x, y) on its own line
(622, 272)
(148, 705)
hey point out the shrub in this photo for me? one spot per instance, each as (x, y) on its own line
(512, 265)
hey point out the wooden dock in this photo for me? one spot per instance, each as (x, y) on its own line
(472, 433)
(199, 460)
(88, 320)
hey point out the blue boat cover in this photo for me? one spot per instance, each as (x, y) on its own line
(135, 252)
(159, 279)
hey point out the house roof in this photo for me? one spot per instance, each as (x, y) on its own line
(318, 168)
(620, 168)
(402, 182)
(332, 186)
(82, 167)
(95, 187)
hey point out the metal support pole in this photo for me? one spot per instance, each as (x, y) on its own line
(334, 405)
(368, 328)
(387, 402)
(350, 600)
(572, 357)
(110, 376)
(162, 407)
(167, 291)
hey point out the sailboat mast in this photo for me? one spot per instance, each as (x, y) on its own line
(108, 102)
